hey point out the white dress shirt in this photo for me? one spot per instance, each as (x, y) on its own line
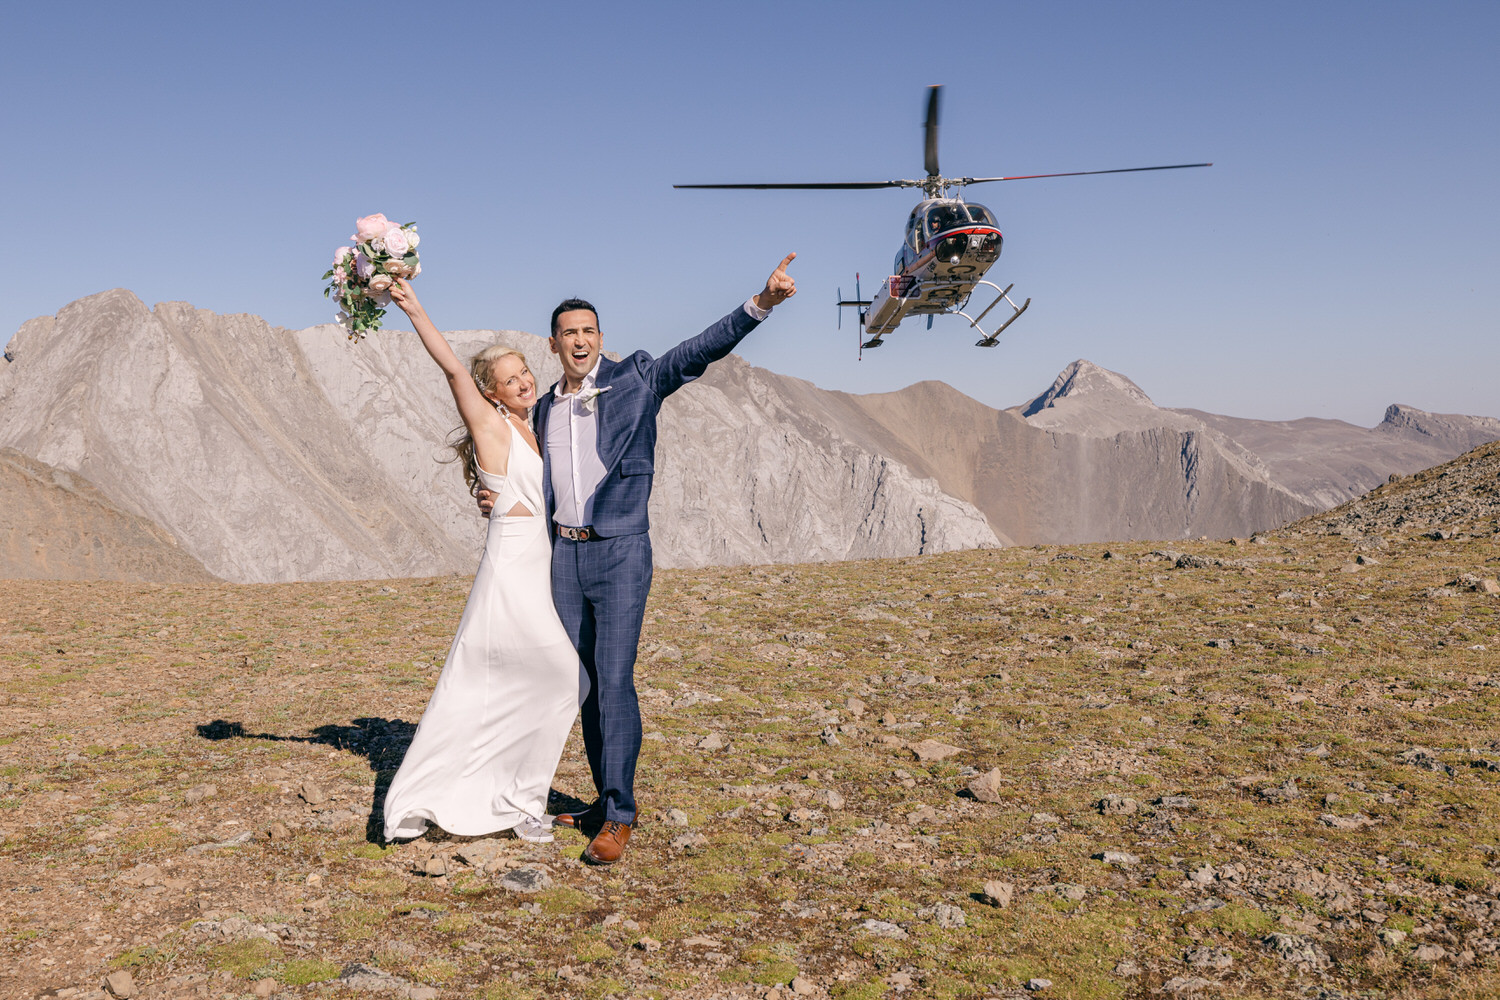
(573, 445)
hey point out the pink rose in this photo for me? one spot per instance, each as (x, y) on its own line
(395, 241)
(369, 227)
(381, 283)
(341, 256)
(399, 269)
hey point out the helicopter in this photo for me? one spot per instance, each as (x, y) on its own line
(949, 246)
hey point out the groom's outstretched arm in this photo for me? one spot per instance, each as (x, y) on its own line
(692, 357)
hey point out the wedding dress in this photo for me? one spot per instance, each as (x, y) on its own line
(485, 751)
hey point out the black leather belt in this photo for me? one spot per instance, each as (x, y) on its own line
(576, 534)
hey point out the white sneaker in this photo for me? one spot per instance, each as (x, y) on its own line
(535, 831)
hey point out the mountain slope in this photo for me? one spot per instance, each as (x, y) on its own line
(279, 455)
(271, 454)
(58, 526)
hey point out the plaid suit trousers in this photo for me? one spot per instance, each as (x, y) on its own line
(600, 589)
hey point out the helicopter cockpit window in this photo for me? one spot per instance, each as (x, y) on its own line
(942, 217)
(913, 233)
(982, 215)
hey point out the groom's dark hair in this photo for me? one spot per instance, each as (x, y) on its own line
(568, 305)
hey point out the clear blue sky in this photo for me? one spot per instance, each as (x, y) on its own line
(1341, 255)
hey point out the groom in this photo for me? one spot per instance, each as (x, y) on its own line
(597, 431)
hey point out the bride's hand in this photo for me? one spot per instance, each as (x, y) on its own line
(403, 295)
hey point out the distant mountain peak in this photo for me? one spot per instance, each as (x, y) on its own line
(1453, 431)
(1084, 378)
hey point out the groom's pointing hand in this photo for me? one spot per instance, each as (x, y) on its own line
(779, 286)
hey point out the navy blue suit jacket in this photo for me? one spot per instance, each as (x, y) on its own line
(627, 421)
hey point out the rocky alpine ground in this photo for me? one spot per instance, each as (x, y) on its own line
(1243, 768)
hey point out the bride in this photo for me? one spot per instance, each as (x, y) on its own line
(484, 754)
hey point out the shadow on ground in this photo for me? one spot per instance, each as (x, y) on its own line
(382, 742)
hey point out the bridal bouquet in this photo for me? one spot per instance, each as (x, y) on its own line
(362, 275)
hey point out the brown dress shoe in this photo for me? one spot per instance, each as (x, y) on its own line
(608, 844)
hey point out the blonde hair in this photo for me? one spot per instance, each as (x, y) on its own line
(482, 368)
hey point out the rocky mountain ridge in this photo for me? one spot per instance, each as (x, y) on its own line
(270, 454)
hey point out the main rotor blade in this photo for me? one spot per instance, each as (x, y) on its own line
(835, 186)
(931, 129)
(1081, 173)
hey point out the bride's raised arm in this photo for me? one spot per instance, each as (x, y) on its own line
(484, 422)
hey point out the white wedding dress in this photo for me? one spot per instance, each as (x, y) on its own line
(485, 751)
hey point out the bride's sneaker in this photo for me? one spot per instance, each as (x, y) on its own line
(535, 831)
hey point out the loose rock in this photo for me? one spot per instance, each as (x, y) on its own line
(120, 984)
(1118, 805)
(933, 750)
(1425, 759)
(1284, 792)
(1294, 949)
(949, 916)
(997, 894)
(1209, 958)
(525, 880)
(1117, 858)
(479, 853)
(690, 841)
(883, 928)
(986, 787)
(198, 793)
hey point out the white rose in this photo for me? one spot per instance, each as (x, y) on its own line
(412, 239)
(395, 241)
(398, 269)
(381, 283)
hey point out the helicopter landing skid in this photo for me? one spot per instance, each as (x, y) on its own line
(990, 339)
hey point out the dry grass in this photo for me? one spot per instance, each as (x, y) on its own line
(1079, 676)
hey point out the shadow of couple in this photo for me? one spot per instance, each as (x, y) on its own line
(382, 742)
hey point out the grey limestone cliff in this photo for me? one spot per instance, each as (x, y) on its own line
(271, 454)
